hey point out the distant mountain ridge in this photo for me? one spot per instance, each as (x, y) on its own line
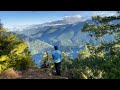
(62, 35)
(65, 20)
(68, 36)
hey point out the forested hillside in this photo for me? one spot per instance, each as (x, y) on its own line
(94, 61)
(101, 61)
(13, 52)
(68, 37)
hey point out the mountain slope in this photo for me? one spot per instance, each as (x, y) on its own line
(68, 37)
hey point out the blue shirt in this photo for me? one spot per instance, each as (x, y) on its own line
(57, 56)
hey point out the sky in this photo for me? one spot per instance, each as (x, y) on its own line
(13, 18)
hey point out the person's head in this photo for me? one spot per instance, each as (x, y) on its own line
(56, 47)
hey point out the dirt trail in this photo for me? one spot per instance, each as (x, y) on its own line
(31, 74)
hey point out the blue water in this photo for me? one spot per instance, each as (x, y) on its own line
(36, 58)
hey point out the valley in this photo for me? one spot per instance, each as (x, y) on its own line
(67, 36)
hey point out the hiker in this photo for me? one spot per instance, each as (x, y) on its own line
(57, 57)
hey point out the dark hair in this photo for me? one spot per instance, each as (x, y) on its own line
(56, 47)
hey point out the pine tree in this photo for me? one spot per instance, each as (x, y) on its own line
(103, 25)
(13, 51)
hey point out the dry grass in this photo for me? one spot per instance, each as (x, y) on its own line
(29, 74)
(10, 74)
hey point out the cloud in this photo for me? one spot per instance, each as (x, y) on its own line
(74, 18)
(104, 13)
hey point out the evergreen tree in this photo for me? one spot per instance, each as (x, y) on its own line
(101, 61)
(13, 51)
(111, 51)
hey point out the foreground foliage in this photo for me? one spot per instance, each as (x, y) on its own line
(13, 52)
(96, 62)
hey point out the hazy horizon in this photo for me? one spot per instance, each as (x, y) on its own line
(15, 18)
